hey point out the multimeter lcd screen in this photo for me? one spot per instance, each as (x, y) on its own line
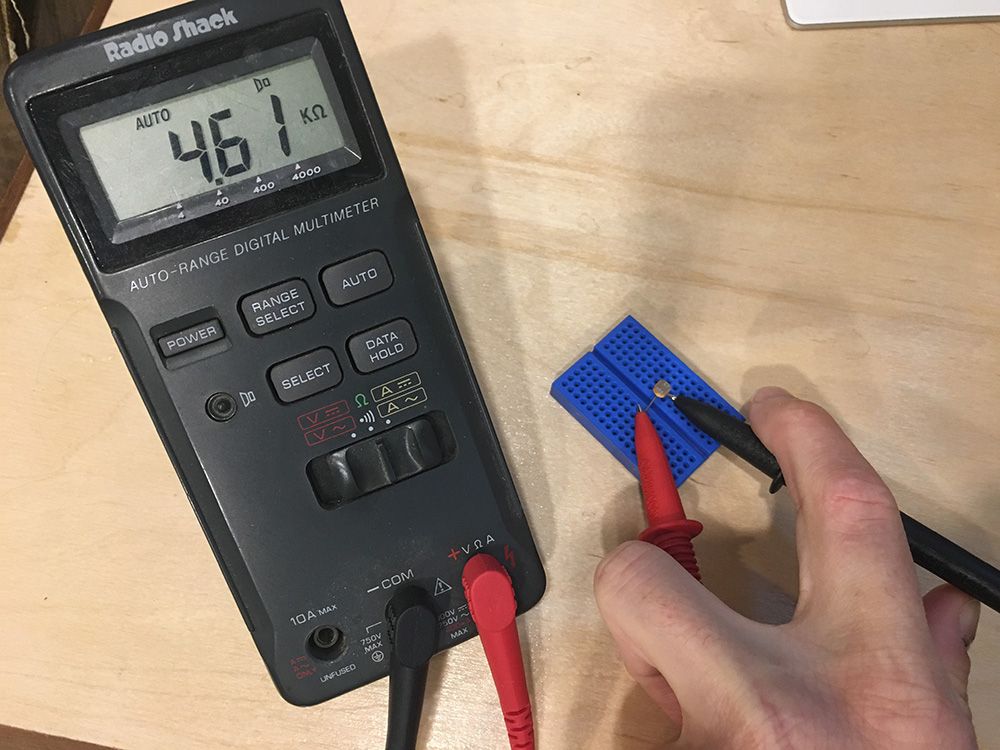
(255, 128)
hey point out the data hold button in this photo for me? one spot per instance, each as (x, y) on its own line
(383, 346)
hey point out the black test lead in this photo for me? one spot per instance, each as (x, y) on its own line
(931, 551)
(413, 633)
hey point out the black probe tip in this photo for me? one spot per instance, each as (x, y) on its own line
(777, 483)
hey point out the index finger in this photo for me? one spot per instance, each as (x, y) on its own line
(853, 553)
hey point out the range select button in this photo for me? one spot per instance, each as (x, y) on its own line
(305, 375)
(277, 307)
(357, 278)
(383, 346)
(191, 338)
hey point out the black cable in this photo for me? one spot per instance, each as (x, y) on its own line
(952, 563)
(413, 635)
(930, 550)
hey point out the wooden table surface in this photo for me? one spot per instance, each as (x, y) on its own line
(813, 209)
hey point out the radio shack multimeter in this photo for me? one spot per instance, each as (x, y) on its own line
(230, 188)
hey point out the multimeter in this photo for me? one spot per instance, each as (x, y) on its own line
(232, 193)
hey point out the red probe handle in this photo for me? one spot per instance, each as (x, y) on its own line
(490, 594)
(669, 528)
(659, 491)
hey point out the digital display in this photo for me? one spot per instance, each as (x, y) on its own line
(252, 133)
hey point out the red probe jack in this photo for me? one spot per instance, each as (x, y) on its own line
(669, 528)
(490, 594)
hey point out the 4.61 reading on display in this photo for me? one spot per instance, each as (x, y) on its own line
(253, 132)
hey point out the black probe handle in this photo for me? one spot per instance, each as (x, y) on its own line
(931, 551)
(734, 434)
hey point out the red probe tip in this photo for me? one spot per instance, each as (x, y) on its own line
(490, 594)
(669, 528)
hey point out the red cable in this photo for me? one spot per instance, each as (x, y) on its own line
(490, 594)
(669, 528)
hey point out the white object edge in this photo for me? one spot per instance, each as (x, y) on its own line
(836, 12)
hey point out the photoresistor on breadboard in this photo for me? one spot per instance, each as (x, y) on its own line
(603, 389)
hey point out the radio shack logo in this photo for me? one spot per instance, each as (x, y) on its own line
(184, 29)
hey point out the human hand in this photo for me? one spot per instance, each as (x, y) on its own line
(863, 663)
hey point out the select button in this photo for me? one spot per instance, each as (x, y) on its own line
(277, 307)
(305, 375)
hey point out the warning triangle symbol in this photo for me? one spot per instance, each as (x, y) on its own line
(259, 180)
(298, 166)
(218, 192)
(440, 587)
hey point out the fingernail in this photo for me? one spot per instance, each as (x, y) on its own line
(766, 394)
(968, 620)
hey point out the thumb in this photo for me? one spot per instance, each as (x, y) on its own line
(662, 617)
(953, 618)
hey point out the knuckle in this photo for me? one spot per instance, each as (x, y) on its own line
(800, 416)
(622, 571)
(858, 491)
(632, 579)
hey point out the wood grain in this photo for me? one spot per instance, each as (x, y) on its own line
(812, 209)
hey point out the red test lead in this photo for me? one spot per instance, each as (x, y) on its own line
(669, 528)
(490, 594)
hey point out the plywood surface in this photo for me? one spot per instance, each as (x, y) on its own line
(816, 210)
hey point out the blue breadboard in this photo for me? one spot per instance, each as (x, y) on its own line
(603, 388)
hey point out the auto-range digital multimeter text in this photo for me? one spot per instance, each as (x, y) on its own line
(314, 395)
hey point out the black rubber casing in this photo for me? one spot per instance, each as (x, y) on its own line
(293, 565)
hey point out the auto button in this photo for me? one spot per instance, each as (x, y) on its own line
(357, 278)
